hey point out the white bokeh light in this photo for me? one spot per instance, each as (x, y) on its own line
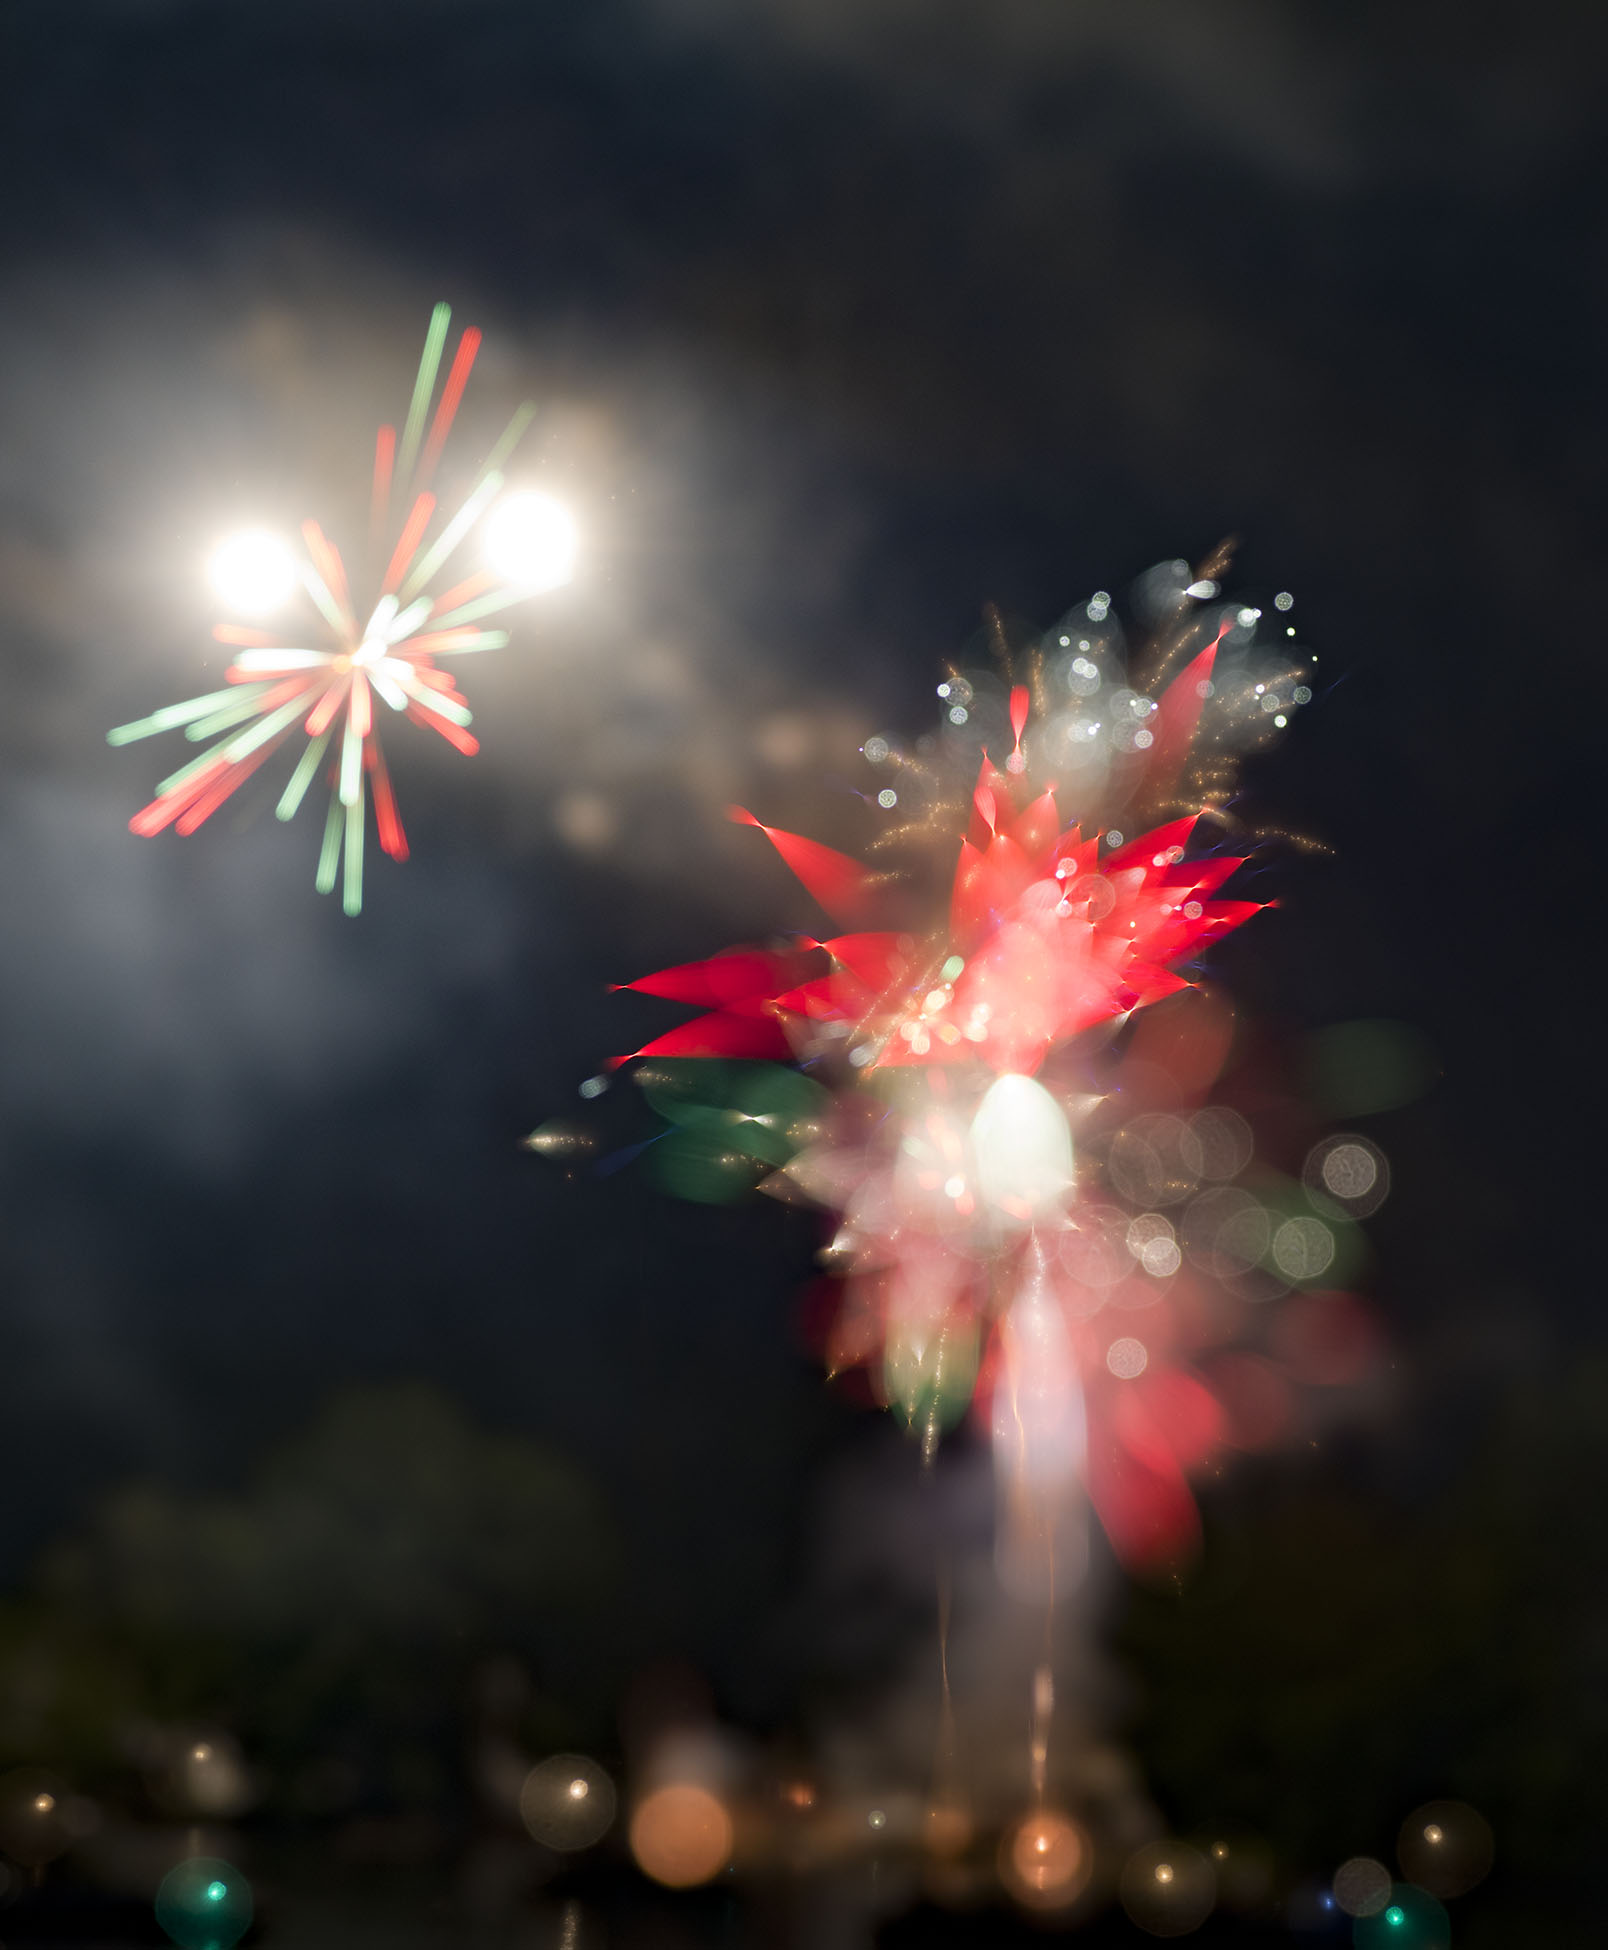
(252, 573)
(531, 541)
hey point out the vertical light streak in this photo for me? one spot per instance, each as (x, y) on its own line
(329, 853)
(351, 764)
(327, 561)
(302, 777)
(362, 707)
(352, 890)
(423, 387)
(386, 817)
(384, 461)
(451, 394)
(412, 533)
(1043, 1710)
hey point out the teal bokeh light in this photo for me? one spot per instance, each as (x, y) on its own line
(204, 1904)
(1411, 1920)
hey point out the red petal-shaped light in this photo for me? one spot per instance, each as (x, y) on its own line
(841, 885)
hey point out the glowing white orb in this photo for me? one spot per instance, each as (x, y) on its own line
(1021, 1148)
(253, 573)
(531, 541)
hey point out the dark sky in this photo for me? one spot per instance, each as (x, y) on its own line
(845, 316)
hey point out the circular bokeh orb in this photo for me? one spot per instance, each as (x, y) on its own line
(1168, 1888)
(1045, 1860)
(681, 1835)
(1361, 1886)
(35, 1824)
(1445, 1847)
(204, 1904)
(1410, 1919)
(567, 1803)
(253, 573)
(206, 1775)
(531, 541)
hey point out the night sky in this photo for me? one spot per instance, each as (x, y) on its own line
(845, 317)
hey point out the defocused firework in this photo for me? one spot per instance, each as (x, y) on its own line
(388, 653)
(1040, 1213)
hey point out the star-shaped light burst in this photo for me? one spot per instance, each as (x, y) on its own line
(383, 655)
(1044, 938)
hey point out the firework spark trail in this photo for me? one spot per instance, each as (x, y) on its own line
(328, 694)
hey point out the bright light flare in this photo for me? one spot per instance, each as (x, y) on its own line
(253, 573)
(1021, 1149)
(1168, 1888)
(567, 1802)
(531, 541)
(1045, 1860)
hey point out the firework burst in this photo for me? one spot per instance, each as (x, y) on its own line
(1021, 1228)
(331, 685)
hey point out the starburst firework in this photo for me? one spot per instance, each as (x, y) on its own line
(385, 655)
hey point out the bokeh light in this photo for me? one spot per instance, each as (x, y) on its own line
(253, 573)
(1223, 1141)
(1168, 1888)
(1303, 1249)
(567, 1802)
(1045, 1860)
(681, 1835)
(531, 541)
(1127, 1358)
(1362, 1886)
(36, 1817)
(205, 1775)
(1410, 1919)
(1445, 1847)
(204, 1904)
(1350, 1170)
(1155, 1160)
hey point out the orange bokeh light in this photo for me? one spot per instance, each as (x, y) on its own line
(1045, 1860)
(681, 1835)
